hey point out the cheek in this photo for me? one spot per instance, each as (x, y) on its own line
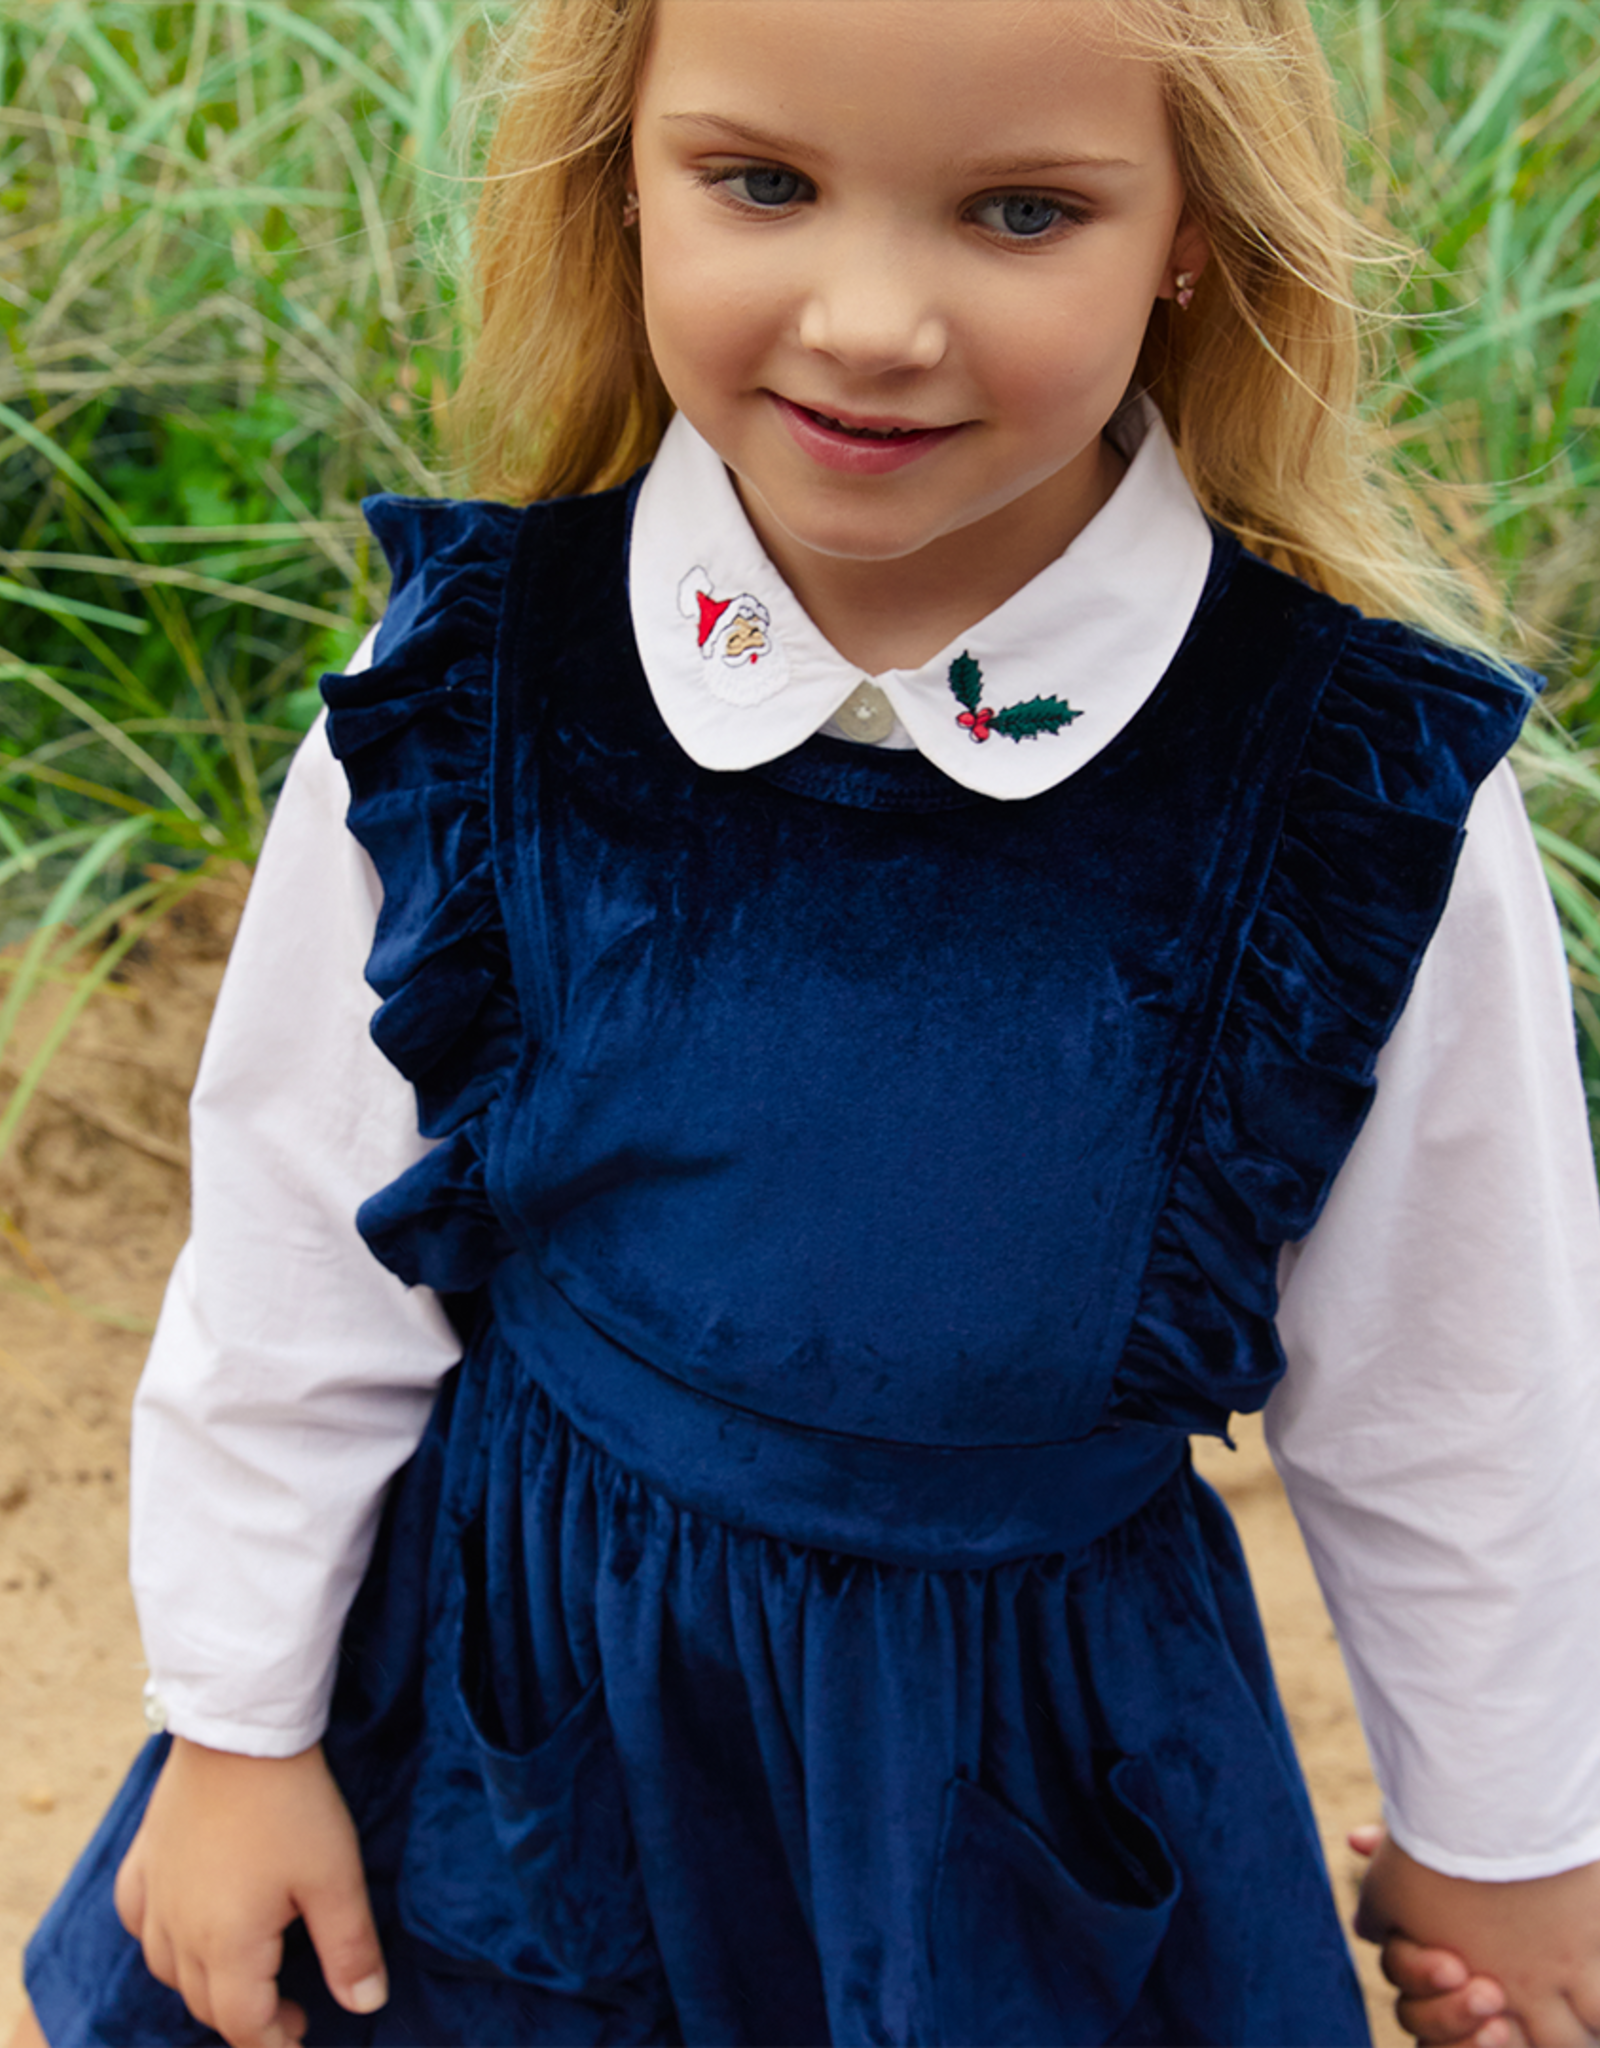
(707, 313)
(1056, 353)
(1051, 367)
(667, 301)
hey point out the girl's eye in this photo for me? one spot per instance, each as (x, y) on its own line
(1024, 216)
(759, 185)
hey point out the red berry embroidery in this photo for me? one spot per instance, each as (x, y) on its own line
(1016, 721)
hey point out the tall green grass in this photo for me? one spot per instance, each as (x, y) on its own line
(1484, 127)
(229, 234)
(228, 239)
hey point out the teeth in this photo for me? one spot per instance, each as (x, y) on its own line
(868, 433)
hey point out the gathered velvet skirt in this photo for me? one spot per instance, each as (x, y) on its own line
(626, 1770)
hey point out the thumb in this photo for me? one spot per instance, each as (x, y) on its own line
(338, 1917)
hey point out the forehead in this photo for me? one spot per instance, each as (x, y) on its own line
(958, 78)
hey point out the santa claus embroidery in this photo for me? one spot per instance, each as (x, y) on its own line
(734, 630)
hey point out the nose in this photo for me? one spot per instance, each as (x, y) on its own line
(870, 310)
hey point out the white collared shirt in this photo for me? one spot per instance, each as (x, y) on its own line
(1438, 1429)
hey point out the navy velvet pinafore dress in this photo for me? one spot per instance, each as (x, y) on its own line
(800, 1622)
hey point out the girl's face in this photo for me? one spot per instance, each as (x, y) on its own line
(898, 258)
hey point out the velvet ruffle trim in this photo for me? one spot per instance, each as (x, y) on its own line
(414, 735)
(1406, 730)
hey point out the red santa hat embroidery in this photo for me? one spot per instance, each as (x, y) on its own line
(737, 630)
(732, 633)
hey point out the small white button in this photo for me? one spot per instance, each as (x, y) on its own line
(866, 714)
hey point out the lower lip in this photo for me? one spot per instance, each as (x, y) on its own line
(853, 454)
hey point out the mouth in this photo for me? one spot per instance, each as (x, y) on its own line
(865, 430)
(861, 446)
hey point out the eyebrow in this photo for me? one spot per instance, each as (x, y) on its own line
(1024, 164)
(758, 138)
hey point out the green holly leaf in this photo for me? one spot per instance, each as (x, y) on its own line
(1039, 714)
(966, 679)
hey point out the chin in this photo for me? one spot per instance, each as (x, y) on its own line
(853, 533)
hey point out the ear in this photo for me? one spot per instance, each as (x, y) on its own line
(1191, 252)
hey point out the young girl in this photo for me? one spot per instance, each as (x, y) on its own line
(887, 929)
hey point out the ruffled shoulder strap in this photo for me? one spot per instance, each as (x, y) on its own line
(1405, 731)
(414, 734)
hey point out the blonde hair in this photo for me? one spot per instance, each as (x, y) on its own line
(1261, 383)
(560, 394)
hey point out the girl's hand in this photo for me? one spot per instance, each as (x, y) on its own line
(1539, 1937)
(1440, 2001)
(232, 1849)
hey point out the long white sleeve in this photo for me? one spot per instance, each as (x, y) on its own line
(1439, 1428)
(290, 1374)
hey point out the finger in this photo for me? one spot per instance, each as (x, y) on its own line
(241, 1988)
(338, 1917)
(1584, 1993)
(1550, 2022)
(1503, 2032)
(194, 1989)
(1463, 2016)
(160, 1958)
(128, 1893)
(292, 2020)
(1365, 1839)
(245, 2010)
(1418, 1972)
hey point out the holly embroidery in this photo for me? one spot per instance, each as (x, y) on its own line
(1016, 721)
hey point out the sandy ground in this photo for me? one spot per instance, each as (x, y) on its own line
(93, 1204)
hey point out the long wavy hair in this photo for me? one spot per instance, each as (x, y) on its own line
(1261, 383)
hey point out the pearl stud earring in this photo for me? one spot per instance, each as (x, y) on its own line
(1183, 290)
(630, 209)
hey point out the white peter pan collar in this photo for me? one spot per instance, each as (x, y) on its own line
(740, 674)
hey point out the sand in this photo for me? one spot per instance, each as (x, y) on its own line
(93, 1209)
